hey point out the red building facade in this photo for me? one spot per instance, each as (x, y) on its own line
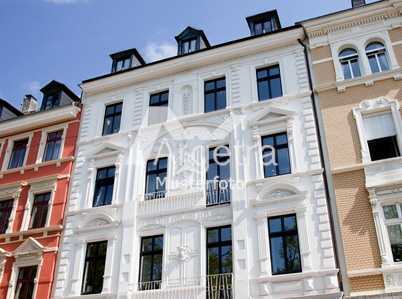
(36, 159)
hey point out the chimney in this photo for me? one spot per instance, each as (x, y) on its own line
(358, 3)
(29, 104)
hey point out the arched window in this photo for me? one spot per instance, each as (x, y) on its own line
(377, 56)
(349, 60)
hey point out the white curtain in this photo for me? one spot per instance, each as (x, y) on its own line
(379, 125)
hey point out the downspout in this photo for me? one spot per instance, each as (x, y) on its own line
(330, 196)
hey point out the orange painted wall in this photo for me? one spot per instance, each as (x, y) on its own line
(34, 173)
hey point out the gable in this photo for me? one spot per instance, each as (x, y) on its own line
(29, 246)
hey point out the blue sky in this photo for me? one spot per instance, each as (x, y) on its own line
(70, 40)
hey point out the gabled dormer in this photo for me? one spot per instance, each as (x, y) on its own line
(264, 22)
(56, 94)
(191, 40)
(126, 59)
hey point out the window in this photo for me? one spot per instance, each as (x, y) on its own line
(219, 262)
(349, 60)
(112, 119)
(393, 221)
(39, 212)
(284, 245)
(159, 99)
(218, 175)
(53, 144)
(50, 101)
(25, 282)
(122, 64)
(151, 259)
(264, 26)
(381, 136)
(219, 250)
(18, 154)
(104, 186)
(94, 268)
(6, 207)
(275, 153)
(189, 46)
(215, 95)
(269, 83)
(155, 186)
(377, 56)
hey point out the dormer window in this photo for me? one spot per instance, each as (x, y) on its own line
(191, 40)
(264, 23)
(189, 46)
(122, 64)
(50, 101)
(125, 60)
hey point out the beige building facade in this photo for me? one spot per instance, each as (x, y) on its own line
(356, 57)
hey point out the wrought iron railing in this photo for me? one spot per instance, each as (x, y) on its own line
(218, 192)
(155, 195)
(149, 285)
(220, 286)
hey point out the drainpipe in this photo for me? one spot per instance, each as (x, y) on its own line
(328, 183)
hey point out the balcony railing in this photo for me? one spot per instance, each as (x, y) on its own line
(154, 195)
(218, 193)
(220, 286)
(217, 286)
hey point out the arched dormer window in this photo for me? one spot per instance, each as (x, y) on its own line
(349, 60)
(377, 57)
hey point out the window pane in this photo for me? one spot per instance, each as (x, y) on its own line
(346, 71)
(221, 99)
(157, 267)
(263, 90)
(213, 235)
(262, 74)
(283, 160)
(209, 102)
(373, 64)
(355, 68)
(292, 253)
(383, 148)
(289, 223)
(6, 207)
(390, 212)
(146, 269)
(158, 243)
(226, 234)
(162, 163)
(220, 83)
(227, 259)
(274, 71)
(275, 225)
(281, 139)
(395, 237)
(146, 244)
(94, 267)
(383, 62)
(210, 85)
(213, 260)
(276, 88)
(277, 254)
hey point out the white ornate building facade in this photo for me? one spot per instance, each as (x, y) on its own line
(267, 235)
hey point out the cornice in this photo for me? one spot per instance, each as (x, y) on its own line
(37, 120)
(217, 55)
(356, 17)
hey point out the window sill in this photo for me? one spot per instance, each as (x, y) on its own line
(368, 80)
(27, 233)
(36, 166)
(295, 276)
(86, 210)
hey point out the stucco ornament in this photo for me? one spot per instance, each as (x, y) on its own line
(187, 96)
(184, 253)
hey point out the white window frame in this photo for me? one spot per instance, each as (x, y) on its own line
(359, 43)
(348, 59)
(94, 164)
(372, 106)
(394, 221)
(42, 145)
(376, 53)
(39, 188)
(9, 150)
(113, 100)
(14, 194)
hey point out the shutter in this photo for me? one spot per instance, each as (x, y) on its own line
(379, 126)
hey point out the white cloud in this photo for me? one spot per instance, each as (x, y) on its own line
(158, 51)
(65, 1)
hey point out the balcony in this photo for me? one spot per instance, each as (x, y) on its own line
(216, 194)
(218, 286)
(162, 203)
